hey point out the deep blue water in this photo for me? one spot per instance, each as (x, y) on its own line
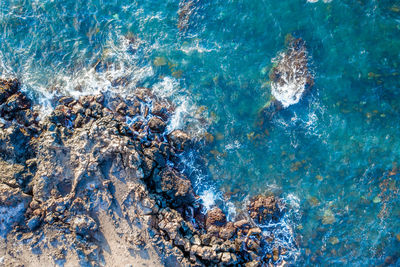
(333, 157)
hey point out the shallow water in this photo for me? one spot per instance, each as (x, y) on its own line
(333, 156)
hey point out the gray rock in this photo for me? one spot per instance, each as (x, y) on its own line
(34, 223)
(13, 204)
(83, 225)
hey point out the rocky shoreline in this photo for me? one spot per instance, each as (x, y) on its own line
(97, 183)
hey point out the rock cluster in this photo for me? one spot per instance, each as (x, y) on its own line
(98, 178)
(264, 209)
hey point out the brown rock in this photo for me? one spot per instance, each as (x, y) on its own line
(275, 254)
(7, 88)
(179, 139)
(263, 209)
(228, 231)
(160, 110)
(215, 217)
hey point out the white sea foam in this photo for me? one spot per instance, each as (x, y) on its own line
(283, 229)
(315, 1)
(292, 81)
(186, 115)
(197, 47)
(209, 198)
(119, 69)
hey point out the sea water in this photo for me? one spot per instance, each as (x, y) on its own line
(332, 154)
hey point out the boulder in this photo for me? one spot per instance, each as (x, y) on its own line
(179, 140)
(215, 217)
(157, 125)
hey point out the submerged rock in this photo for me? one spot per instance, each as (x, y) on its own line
(184, 12)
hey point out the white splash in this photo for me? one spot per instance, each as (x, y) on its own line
(315, 1)
(208, 197)
(185, 115)
(290, 86)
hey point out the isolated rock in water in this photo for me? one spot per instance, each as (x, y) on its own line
(13, 204)
(290, 76)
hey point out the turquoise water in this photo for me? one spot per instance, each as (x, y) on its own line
(333, 157)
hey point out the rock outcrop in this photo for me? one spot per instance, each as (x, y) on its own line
(96, 183)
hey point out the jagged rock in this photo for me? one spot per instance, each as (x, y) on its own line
(215, 217)
(275, 254)
(10, 174)
(290, 77)
(157, 125)
(175, 186)
(263, 209)
(33, 223)
(66, 100)
(228, 258)
(83, 225)
(179, 139)
(253, 263)
(228, 231)
(15, 143)
(7, 88)
(160, 110)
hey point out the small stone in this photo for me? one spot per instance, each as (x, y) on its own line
(334, 240)
(253, 263)
(226, 258)
(195, 240)
(377, 200)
